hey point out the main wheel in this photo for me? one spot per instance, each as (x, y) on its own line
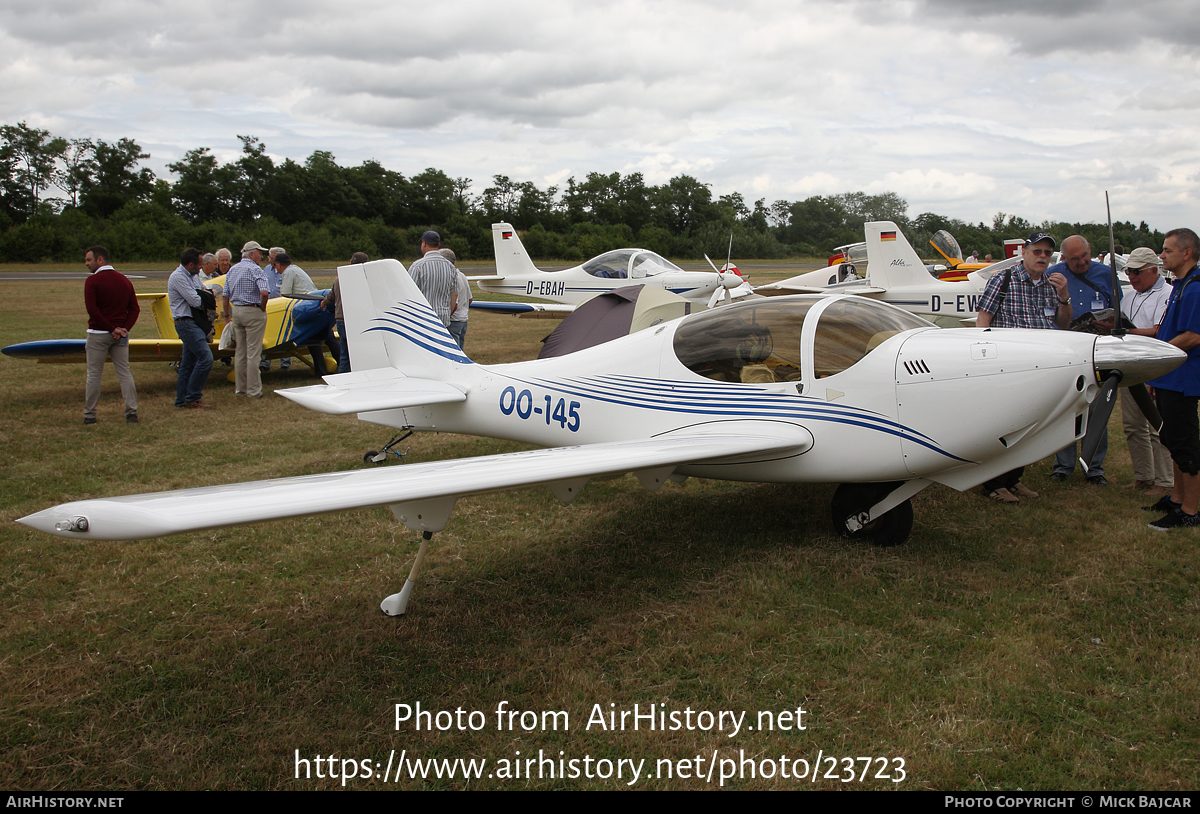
(850, 504)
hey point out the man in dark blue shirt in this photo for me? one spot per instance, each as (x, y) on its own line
(1090, 288)
(1178, 392)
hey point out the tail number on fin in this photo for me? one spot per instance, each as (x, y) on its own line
(522, 404)
(962, 303)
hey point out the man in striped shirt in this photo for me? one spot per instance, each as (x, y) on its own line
(436, 277)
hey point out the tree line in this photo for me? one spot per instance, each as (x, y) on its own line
(319, 209)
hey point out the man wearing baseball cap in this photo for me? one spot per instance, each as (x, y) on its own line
(1024, 296)
(245, 307)
(1145, 309)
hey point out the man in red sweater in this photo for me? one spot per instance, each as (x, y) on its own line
(112, 308)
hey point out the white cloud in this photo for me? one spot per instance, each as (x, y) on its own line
(964, 107)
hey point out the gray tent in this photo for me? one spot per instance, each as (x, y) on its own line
(613, 314)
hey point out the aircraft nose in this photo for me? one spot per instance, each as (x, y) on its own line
(1138, 358)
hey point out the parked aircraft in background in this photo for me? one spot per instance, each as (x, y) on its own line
(516, 274)
(794, 389)
(896, 275)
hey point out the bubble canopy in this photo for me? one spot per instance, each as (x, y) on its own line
(764, 340)
(628, 264)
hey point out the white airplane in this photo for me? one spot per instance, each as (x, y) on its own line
(797, 389)
(516, 274)
(895, 274)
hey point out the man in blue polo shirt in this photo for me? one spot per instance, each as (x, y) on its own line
(1178, 393)
(1090, 288)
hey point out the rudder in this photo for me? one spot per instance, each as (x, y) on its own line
(891, 260)
(511, 257)
(390, 324)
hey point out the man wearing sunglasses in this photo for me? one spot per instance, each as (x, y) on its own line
(1024, 296)
(1145, 309)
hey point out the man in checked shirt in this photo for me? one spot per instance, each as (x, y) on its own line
(245, 307)
(1024, 296)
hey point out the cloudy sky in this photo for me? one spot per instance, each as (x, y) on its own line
(964, 107)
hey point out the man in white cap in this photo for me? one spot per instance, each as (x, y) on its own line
(244, 304)
(1152, 469)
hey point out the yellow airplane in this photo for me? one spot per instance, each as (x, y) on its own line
(292, 325)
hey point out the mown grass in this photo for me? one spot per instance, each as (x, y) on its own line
(1049, 645)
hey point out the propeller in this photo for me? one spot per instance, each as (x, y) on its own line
(728, 281)
(1098, 415)
(1141, 395)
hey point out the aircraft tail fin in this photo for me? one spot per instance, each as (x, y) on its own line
(389, 324)
(160, 310)
(511, 257)
(891, 260)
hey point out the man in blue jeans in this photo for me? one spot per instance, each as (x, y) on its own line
(183, 295)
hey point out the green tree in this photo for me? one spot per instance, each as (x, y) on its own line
(78, 168)
(431, 199)
(28, 158)
(118, 180)
(200, 194)
(250, 176)
(682, 204)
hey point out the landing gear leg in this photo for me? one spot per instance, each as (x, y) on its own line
(396, 604)
(374, 456)
(854, 519)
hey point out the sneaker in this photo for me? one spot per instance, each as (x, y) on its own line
(1175, 519)
(89, 421)
(1058, 477)
(1021, 490)
(1158, 491)
(1164, 504)
(1098, 480)
(131, 418)
(1140, 485)
(1002, 496)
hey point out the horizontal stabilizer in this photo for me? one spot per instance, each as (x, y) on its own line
(520, 308)
(136, 517)
(369, 390)
(779, 289)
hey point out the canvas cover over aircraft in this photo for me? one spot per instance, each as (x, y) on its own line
(808, 388)
(517, 275)
(895, 274)
(292, 325)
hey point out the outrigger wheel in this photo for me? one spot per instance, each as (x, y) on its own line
(851, 503)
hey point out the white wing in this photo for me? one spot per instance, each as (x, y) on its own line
(409, 490)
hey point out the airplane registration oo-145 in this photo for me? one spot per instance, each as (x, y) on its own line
(808, 388)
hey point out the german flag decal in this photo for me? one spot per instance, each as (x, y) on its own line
(887, 235)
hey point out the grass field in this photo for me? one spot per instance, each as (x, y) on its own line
(1051, 645)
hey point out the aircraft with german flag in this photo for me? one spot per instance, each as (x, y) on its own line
(895, 274)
